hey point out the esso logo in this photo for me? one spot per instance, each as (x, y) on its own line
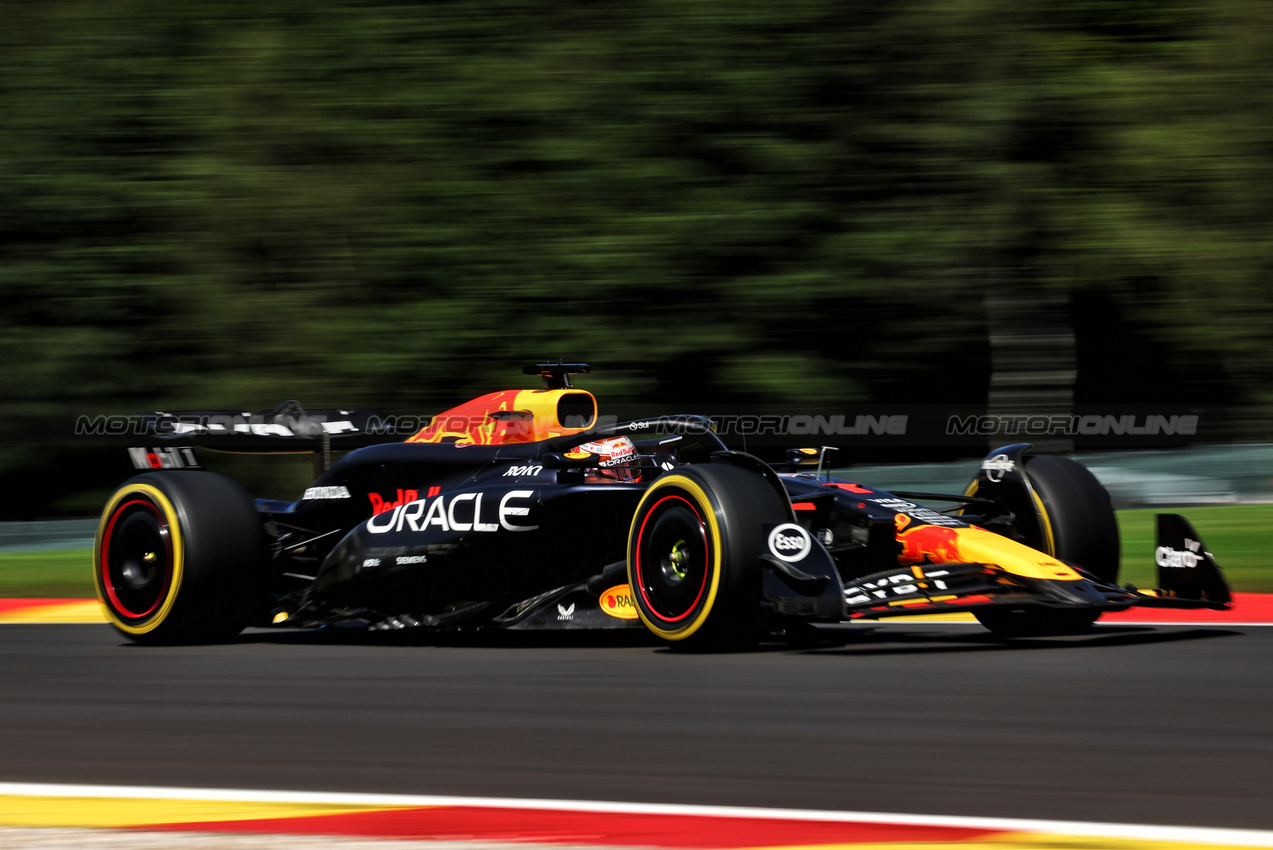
(789, 542)
(618, 602)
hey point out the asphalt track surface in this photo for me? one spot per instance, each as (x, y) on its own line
(1165, 725)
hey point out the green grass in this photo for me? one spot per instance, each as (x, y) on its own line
(1240, 536)
(65, 574)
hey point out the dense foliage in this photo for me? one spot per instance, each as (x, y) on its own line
(231, 203)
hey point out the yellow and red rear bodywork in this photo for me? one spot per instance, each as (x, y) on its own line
(512, 416)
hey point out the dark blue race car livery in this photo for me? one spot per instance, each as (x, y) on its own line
(518, 510)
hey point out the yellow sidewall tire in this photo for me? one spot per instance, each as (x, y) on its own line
(694, 549)
(180, 557)
(703, 503)
(155, 496)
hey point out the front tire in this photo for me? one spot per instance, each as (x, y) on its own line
(1078, 510)
(179, 558)
(1077, 525)
(694, 555)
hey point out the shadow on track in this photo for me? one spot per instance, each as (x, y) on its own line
(928, 643)
(493, 638)
(858, 640)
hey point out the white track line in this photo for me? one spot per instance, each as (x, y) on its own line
(1144, 832)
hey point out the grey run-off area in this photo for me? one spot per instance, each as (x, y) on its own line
(1130, 724)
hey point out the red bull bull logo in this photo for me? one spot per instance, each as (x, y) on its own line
(929, 543)
(512, 416)
(972, 545)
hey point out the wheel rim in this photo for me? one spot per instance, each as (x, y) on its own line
(136, 558)
(673, 559)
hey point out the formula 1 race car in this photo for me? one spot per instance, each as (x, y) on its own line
(519, 510)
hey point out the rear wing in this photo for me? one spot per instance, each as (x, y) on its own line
(166, 440)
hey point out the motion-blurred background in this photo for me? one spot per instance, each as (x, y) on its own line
(986, 206)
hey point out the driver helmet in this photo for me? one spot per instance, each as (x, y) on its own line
(619, 460)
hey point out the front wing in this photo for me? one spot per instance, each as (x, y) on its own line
(957, 588)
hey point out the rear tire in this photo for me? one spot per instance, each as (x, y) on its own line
(694, 556)
(179, 558)
(1078, 526)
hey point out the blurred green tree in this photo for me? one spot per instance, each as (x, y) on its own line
(390, 204)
